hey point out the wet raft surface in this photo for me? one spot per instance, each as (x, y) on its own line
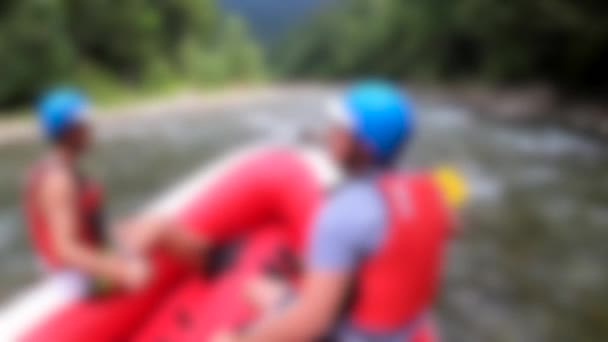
(528, 268)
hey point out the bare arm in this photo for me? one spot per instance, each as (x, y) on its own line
(141, 234)
(59, 203)
(312, 314)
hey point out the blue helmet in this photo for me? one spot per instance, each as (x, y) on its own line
(380, 116)
(61, 109)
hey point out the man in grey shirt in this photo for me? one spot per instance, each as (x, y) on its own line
(371, 124)
(351, 227)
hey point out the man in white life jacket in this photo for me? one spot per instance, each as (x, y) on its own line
(374, 260)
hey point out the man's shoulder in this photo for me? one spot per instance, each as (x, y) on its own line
(350, 225)
(357, 193)
(54, 177)
(357, 203)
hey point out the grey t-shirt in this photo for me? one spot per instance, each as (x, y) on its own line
(351, 226)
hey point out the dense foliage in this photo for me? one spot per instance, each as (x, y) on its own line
(270, 19)
(143, 43)
(107, 45)
(561, 41)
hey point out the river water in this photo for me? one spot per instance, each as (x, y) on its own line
(530, 264)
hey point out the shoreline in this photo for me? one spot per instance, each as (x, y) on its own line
(525, 103)
(187, 102)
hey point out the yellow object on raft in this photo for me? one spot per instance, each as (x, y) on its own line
(453, 185)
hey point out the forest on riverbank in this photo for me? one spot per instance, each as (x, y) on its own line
(117, 48)
(112, 48)
(561, 42)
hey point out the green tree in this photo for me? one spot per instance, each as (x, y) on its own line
(230, 55)
(561, 41)
(35, 49)
(104, 44)
(243, 57)
(122, 35)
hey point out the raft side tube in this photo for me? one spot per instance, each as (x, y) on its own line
(53, 309)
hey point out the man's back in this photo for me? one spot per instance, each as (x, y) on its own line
(359, 232)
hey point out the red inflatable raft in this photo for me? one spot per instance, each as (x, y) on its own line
(266, 194)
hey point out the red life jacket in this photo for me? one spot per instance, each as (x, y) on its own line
(90, 199)
(398, 283)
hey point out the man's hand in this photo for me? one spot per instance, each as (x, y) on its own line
(266, 293)
(137, 235)
(309, 316)
(123, 274)
(137, 275)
